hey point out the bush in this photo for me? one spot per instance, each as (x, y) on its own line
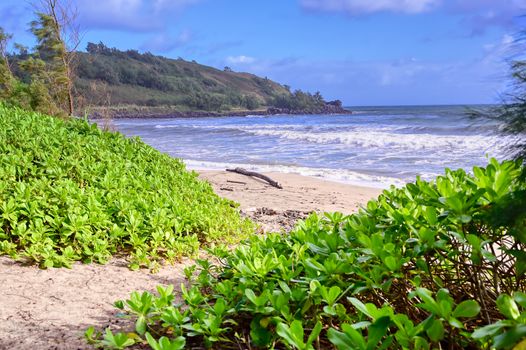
(421, 267)
(69, 191)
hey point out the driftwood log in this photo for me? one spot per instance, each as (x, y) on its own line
(236, 182)
(254, 174)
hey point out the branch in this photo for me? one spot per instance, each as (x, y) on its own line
(254, 174)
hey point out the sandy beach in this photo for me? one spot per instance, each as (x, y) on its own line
(50, 309)
(278, 209)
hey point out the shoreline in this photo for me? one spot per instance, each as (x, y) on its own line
(279, 209)
(150, 113)
(338, 176)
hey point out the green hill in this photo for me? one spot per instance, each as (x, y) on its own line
(128, 81)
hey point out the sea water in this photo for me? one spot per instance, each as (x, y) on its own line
(373, 146)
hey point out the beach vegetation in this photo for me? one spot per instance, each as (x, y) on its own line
(70, 191)
(424, 266)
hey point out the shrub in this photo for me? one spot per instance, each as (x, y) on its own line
(69, 191)
(421, 267)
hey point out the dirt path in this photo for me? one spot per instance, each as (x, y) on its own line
(51, 309)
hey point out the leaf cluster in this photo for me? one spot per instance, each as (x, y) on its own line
(421, 267)
(69, 191)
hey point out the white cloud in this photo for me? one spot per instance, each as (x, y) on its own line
(137, 15)
(184, 37)
(163, 5)
(164, 42)
(476, 15)
(242, 59)
(358, 7)
(402, 81)
(507, 39)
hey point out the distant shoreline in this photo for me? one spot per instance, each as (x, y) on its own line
(148, 113)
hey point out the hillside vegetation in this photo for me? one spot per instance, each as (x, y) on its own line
(69, 191)
(433, 265)
(110, 77)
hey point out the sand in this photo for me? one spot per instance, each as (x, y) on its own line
(277, 209)
(51, 309)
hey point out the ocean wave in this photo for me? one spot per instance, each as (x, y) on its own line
(276, 129)
(377, 139)
(336, 175)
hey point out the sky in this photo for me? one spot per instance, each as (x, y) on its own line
(363, 52)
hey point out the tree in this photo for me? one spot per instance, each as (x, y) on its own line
(57, 39)
(7, 80)
(512, 113)
(513, 110)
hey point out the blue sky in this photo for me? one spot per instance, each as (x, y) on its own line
(364, 52)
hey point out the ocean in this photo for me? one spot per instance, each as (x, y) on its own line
(373, 146)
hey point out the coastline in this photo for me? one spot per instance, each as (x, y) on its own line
(279, 209)
(143, 112)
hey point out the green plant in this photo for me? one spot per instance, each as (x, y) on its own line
(294, 335)
(421, 267)
(69, 191)
(506, 333)
(165, 344)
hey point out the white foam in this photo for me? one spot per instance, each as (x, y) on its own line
(336, 175)
(378, 139)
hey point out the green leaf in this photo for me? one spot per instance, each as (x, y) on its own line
(360, 306)
(152, 342)
(467, 308)
(520, 298)
(429, 303)
(431, 216)
(464, 218)
(259, 334)
(455, 323)
(511, 337)
(348, 339)
(392, 263)
(315, 333)
(436, 331)
(377, 331)
(488, 331)
(508, 307)
(292, 335)
(140, 325)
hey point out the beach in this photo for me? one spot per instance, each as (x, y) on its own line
(277, 209)
(51, 309)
